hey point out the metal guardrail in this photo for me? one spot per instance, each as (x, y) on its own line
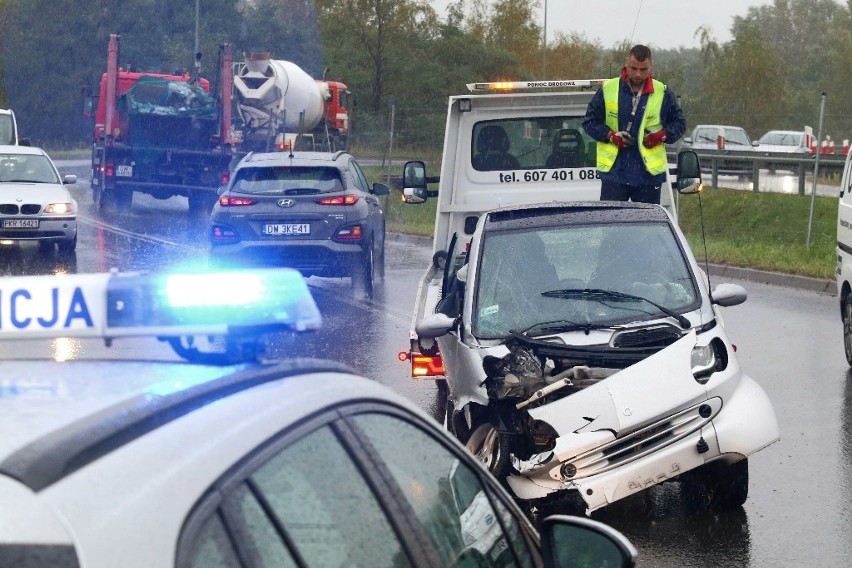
(749, 163)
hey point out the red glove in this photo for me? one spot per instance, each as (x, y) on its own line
(621, 139)
(654, 138)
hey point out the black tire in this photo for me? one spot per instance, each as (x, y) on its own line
(488, 447)
(363, 273)
(380, 264)
(200, 205)
(717, 486)
(68, 247)
(46, 248)
(123, 199)
(107, 201)
(847, 327)
(443, 404)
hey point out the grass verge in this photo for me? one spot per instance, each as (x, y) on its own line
(767, 231)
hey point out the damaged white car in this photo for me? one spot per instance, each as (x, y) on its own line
(585, 354)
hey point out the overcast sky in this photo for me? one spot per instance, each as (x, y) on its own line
(658, 23)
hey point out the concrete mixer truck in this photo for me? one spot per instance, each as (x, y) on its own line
(280, 107)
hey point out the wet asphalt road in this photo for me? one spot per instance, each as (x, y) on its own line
(799, 508)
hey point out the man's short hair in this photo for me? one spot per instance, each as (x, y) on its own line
(641, 52)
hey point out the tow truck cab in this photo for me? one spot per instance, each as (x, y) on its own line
(506, 144)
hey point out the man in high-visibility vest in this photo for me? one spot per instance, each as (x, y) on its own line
(633, 117)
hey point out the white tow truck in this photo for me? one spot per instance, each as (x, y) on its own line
(578, 343)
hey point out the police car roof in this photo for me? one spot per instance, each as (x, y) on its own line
(59, 417)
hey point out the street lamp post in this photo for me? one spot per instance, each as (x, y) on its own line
(544, 45)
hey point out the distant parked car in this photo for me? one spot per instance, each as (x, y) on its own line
(705, 137)
(784, 141)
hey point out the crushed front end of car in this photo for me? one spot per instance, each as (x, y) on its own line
(579, 420)
(588, 356)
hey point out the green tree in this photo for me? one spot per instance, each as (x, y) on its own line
(810, 43)
(288, 29)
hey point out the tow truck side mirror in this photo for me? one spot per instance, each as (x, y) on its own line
(688, 172)
(414, 185)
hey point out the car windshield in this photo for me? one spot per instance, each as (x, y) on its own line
(733, 136)
(30, 168)
(518, 268)
(782, 138)
(287, 180)
(524, 143)
(6, 130)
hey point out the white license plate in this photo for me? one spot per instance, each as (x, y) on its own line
(287, 229)
(124, 171)
(20, 223)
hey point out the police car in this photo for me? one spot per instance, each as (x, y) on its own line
(220, 457)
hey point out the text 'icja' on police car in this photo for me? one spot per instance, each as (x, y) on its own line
(239, 306)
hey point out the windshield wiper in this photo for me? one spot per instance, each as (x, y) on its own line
(558, 326)
(612, 295)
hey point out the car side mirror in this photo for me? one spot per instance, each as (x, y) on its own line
(414, 185)
(565, 540)
(380, 189)
(434, 325)
(688, 172)
(729, 295)
(69, 179)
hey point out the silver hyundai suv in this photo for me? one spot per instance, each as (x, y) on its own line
(312, 211)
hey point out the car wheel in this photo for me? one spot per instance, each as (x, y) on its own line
(847, 328)
(489, 447)
(46, 247)
(107, 201)
(123, 199)
(380, 264)
(200, 205)
(717, 486)
(68, 246)
(363, 273)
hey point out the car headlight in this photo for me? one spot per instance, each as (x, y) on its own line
(707, 359)
(59, 208)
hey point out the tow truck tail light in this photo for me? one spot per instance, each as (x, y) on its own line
(350, 233)
(426, 365)
(224, 177)
(109, 169)
(339, 200)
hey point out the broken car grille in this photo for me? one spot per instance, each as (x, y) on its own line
(645, 441)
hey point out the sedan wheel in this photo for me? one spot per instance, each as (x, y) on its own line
(363, 274)
(487, 446)
(716, 486)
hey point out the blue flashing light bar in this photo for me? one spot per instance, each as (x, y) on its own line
(110, 305)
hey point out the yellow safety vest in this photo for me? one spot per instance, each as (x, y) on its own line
(655, 158)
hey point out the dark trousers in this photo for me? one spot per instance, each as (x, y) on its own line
(612, 191)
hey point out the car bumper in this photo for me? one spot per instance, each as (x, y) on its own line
(743, 425)
(320, 258)
(50, 229)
